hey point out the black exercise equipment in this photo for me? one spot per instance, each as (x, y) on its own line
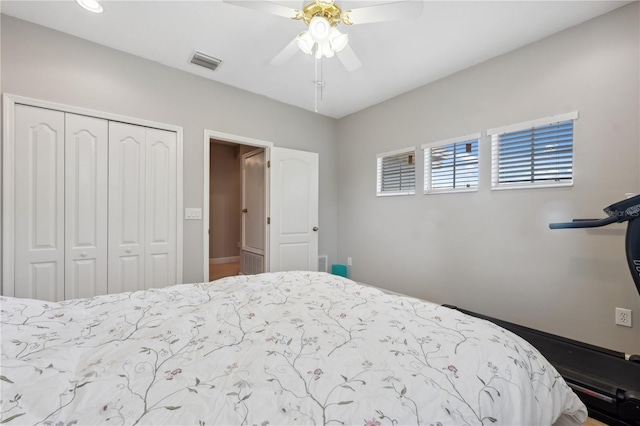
(605, 380)
(623, 211)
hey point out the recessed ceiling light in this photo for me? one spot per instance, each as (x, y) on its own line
(91, 5)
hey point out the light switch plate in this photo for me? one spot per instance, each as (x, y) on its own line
(193, 214)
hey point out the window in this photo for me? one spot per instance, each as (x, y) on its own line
(536, 153)
(397, 172)
(451, 165)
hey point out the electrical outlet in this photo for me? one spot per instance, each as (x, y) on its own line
(349, 261)
(623, 317)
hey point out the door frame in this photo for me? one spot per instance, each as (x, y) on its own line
(241, 140)
(8, 172)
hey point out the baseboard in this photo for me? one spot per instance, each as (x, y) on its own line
(222, 260)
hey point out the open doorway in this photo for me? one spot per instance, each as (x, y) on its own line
(290, 217)
(236, 209)
(226, 233)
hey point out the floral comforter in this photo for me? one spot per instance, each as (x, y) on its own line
(270, 349)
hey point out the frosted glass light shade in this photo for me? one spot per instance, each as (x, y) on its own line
(338, 41)
(305, 42)
(324, 49)
(319, 28)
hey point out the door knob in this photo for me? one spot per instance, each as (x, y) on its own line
(244, 210)
(83, 254)
(315, 229)
(129, 250)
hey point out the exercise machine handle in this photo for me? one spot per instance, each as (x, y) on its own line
(584, 223)
(627, 210)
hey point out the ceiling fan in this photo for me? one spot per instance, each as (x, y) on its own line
(321, 17)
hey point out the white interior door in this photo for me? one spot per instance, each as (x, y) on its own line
(293, 236)
(39, 203)
(126, 207)
(86, 160)
(254, 216)
(160, 212)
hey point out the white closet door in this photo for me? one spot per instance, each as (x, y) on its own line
(126, 207)
(86, 160)
(160, 214)
(39, 203)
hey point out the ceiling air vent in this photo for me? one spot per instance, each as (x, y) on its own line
(206, 61)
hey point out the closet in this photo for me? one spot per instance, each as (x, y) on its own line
(94, 206)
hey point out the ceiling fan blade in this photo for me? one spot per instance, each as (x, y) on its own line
(349, 59)
(286, 53)
(267, 7)
(385, 12)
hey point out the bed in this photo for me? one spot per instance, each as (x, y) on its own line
(270, 349)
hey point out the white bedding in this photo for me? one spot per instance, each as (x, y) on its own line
(282, 348)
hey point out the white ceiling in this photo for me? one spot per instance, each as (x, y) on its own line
(396, 56)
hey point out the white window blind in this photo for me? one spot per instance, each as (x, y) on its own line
(451, 165)
(538, 153)
(396, 173)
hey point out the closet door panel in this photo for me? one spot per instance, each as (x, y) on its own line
(86, 161)
(127, 157)
(161, 212)
(39, 203)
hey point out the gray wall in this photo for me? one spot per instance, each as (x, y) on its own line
(41, 63)
(491, 251)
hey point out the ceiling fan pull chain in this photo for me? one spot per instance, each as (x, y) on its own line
(321, 81)
(315, 87)
(318, 83)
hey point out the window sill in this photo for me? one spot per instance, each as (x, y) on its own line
(450, 191)
(393, 194)
(532, 186)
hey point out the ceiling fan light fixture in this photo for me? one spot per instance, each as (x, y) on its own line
(325, 48)
(91, 5)
(338, 40)
(319, 28)
(305, 42)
